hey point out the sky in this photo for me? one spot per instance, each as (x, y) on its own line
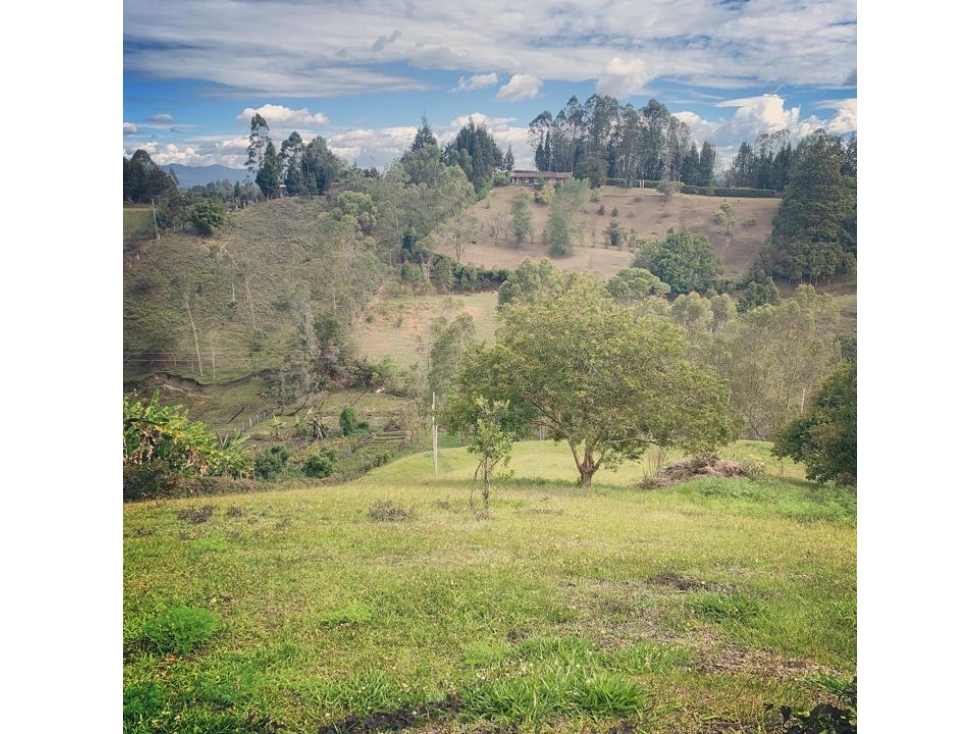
(363, 73)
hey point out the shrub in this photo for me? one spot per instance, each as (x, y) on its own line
(179, 631)
(387, 511)
(271, 463)
(349, 423)
(321, 465)
(207, 216)
(167, 439)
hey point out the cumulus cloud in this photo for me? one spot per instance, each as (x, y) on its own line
(129, 128)
(520, 86)
(623, 78)
(275, 114)
(844, 121)
(383, 41)
(477, 81)
(160, 118)
(757, 115)
(700, 129)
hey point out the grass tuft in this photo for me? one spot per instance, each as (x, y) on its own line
(179, 631)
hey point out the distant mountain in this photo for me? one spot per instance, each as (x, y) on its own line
(189, 176)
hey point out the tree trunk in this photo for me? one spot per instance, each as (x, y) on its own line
(586, 467)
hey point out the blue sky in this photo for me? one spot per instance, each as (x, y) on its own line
(362, 74)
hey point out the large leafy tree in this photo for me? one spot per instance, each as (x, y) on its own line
(608, 379)
(824, 438)
(685, 261)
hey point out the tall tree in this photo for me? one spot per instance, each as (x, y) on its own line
(269, 174)
(143, 181)
(708, 159)
(291, 154)
(257, 142)
(321, 167)
(815, 228)
(423, 136)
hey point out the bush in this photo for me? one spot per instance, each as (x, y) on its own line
(179, 631)
(349, 423)
(207, 216)
(271, 463)
(321, 465)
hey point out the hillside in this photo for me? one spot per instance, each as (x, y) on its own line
(215, 322)
(644, 212)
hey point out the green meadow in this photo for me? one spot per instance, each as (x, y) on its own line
(398, 602)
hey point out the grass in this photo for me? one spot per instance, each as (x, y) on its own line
(558, 609)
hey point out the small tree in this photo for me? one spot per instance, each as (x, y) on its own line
(520, 218)
(492, 441)
(668, 188)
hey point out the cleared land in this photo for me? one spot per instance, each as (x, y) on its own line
(392, 600)
(646, 212)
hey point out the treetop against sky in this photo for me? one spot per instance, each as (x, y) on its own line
(362, 75)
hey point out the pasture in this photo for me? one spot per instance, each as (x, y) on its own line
(392, 602)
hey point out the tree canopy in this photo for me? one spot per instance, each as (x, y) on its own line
(606, 378)
(684, 261)
(824, 438)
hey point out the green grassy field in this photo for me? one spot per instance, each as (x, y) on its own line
(392, 601)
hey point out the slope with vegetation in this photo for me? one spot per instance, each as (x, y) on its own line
(570, 599)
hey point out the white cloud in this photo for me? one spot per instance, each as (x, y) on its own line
(160, 118)
(278, 115)
(757, 115)
(700, 129)
(129, 128)
(477, 81)
(622, 78)
(844, 121)
(520, 86)
(370, 147)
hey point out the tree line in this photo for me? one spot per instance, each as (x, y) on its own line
(602, 139)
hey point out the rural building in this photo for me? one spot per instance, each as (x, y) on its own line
(529, 178)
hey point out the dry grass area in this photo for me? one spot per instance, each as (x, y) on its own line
(401, 328)
(645, 212)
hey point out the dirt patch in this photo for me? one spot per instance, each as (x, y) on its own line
(196, 515)
(397, 720)
(685, 583)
